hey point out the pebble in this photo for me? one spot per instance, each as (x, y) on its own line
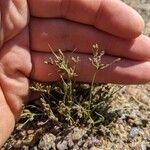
(25, 148)
(35, 148)
(62, 145)
(47, 142)
(77, 134)
(94, 148)
(145, 146)
(81, 142)
(133, 132)
(30, 131)
(76, 147)
(70, 141)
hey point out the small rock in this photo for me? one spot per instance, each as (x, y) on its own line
(133, 132)
(76, 147)
(70, 143)
(94, 148)
(47, 142)
(85, 145)
(143, 146)
(138, 122)
(18, 144)
(62, 145)
(77, 134)
(34, 148)
(130, 122)
(132, 117)
(69, 140)
(81, 142)
(25, 148)
(30, 131)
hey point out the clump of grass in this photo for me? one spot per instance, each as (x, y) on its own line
(69, 103)
(66, 103)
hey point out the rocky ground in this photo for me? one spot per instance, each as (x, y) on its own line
(143, 7)
(130, 130)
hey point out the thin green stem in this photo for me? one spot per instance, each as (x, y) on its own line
(92, 87)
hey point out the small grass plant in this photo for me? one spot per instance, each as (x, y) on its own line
(66, 103)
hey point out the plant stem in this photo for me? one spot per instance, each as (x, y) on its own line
(92, 87)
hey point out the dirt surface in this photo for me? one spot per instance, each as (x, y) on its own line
(143, 7)
(130, 130)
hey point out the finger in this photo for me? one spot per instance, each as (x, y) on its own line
(70, 36)
(7, 120)
(124, 71)
(14, 17)
(112, 16)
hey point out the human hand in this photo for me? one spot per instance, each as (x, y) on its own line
(26, 30)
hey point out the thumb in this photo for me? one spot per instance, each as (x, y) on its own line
(7, 119)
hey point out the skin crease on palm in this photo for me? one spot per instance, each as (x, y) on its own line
(28, 26)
